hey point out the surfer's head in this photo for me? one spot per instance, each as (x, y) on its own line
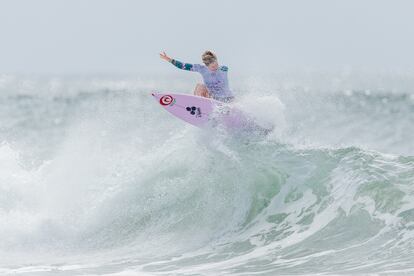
(210, 60)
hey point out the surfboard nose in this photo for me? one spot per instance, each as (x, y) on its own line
(155, 95)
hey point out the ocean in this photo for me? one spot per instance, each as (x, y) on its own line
(97, 179)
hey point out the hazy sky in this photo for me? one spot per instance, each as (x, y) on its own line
(125, 36)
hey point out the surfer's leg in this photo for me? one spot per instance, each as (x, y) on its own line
(201, 90)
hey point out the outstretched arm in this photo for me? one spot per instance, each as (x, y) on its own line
(181, 65)
(176, 63)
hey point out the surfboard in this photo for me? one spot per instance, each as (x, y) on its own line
(202, 112)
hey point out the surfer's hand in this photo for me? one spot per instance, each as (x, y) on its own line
(164, 56)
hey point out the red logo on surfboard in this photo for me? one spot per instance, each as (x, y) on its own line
(166, 100)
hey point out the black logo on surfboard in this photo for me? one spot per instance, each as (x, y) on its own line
(194, 110)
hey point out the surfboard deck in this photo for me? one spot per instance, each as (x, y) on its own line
(202, 112)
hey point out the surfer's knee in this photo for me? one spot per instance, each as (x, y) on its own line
(201, 90)
(201, 86)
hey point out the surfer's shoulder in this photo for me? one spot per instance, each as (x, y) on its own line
(224, 68)
(199, 67)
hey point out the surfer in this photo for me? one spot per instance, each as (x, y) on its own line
(216, 84)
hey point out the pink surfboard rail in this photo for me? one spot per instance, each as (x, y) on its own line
(200, 111)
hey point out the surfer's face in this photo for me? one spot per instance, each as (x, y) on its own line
(213, 66)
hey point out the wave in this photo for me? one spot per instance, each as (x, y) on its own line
(117, 183)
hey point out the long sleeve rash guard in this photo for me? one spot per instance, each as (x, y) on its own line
(216, 81)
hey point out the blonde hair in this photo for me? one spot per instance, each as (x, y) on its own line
(208, 57)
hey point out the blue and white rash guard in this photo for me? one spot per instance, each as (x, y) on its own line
(216, 81)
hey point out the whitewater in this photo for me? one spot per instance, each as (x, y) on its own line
(97, 179)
